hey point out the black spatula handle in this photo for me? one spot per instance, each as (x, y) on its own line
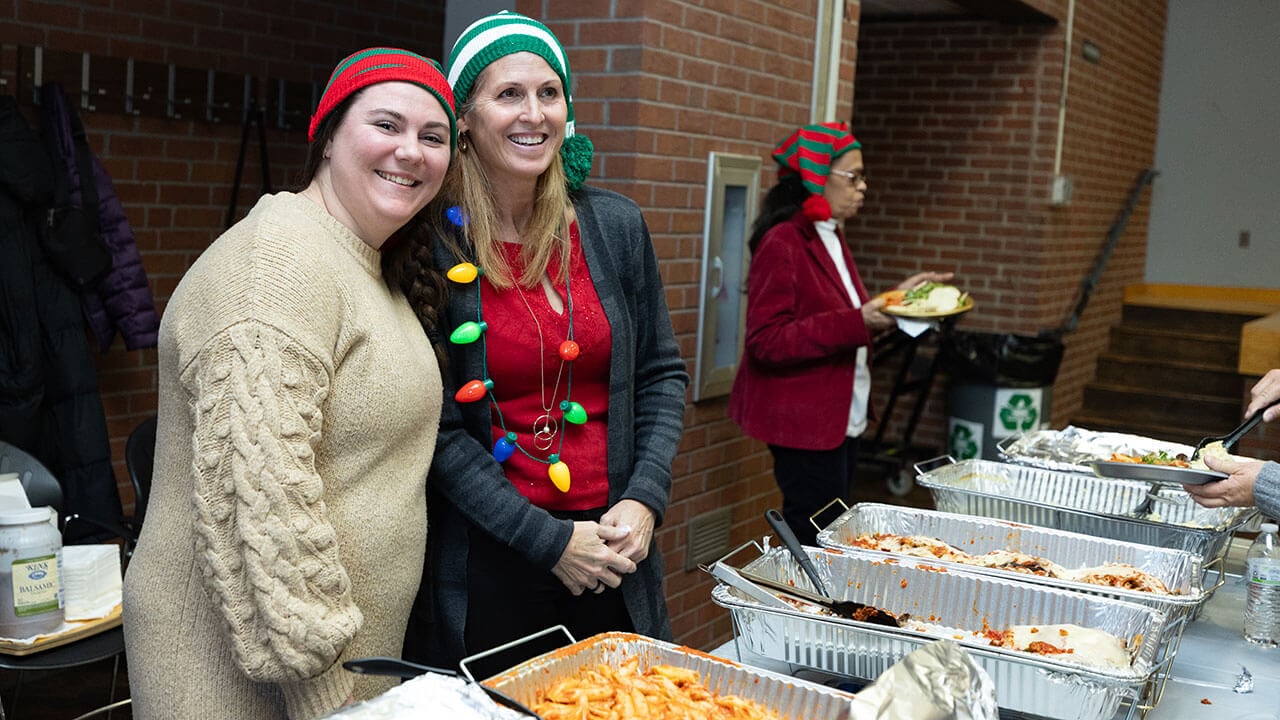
(1230, 441)
(792, 543)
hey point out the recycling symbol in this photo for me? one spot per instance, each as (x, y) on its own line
(1019, 413)
(962, 445)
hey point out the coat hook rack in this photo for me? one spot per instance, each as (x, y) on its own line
(174, 105)
(129, 95)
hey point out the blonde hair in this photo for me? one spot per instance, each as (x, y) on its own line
(545, 238)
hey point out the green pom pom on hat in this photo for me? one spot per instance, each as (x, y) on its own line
(505, 33)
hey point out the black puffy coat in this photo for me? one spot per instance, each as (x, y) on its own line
(122, 300)
(49, 401)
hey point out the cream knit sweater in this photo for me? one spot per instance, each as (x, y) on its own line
(299, 404)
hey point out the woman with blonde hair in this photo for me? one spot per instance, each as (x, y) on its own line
(565, 398)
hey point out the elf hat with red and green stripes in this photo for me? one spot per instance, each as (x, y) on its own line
(811, 150)
(378, 65)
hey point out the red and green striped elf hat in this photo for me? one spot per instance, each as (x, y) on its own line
(812, 149)
(383, 64)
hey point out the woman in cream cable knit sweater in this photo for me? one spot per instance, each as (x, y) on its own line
(287, 521)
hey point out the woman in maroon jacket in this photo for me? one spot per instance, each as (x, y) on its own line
(804, 380)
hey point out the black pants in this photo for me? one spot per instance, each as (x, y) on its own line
(809, 479)
(508, 598)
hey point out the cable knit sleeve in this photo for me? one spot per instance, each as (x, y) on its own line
(268, 554)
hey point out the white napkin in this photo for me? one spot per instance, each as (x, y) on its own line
(91, 581)
(915, 328)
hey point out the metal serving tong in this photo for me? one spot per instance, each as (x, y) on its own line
(403, 669)
(843, 608)
(1230, 439)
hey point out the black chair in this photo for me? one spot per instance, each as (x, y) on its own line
(42, 488)
(139, 458)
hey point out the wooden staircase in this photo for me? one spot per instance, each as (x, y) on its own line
(1169, 373)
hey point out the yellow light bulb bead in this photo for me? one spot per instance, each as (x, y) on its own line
(463, 273)
(559, 474)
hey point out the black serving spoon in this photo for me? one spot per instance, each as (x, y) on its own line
(843, 608)
(403, 669)
(848, 609)
(792, 543)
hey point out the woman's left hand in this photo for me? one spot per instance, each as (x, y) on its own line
(636, 517)
(924, 277)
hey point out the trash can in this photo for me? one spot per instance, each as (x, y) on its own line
(1001, 385)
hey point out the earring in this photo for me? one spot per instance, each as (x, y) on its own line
(462, 143)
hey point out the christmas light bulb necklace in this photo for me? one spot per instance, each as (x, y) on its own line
(545, 428)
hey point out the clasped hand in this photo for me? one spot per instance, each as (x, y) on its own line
(599, 554)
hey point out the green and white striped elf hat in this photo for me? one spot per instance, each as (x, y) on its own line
(505, 33)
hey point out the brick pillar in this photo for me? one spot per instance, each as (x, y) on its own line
(659, 84)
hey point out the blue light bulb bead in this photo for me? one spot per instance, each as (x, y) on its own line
(505, 447)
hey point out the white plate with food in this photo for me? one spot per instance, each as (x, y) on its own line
(927, 300)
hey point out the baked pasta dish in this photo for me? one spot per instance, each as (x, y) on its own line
(660, 692)
(1116, 575)
(1066, 642)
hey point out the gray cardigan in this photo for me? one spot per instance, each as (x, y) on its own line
(647, 381)
(1266, 490)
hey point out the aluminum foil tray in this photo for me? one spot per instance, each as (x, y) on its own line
(791, 698)
(1181, 571)
(1025, 683)
(1075, 503)
(1071, 449)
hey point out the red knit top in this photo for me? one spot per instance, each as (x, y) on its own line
(521, 396)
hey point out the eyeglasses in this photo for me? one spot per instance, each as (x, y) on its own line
(854, 177)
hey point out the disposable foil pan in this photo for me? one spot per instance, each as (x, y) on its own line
(1071, 449)
(792, 698)
(1049, 687)
(1102, 507)
(1180, 571)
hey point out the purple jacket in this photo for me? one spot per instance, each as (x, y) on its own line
(122, 301)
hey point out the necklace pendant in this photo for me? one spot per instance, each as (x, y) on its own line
(545, 429)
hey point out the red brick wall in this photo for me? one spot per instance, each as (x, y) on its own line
(959, 123)
(174, 176)
(958, 118)
(658, 85)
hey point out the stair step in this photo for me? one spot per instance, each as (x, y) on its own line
(1209, 322)
(1167, 433)
(1159, 374)
(1172, 407)
(1209, 350)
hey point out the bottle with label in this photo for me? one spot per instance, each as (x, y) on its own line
(1262, 585)
(30, 591)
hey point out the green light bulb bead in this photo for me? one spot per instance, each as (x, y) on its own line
(468, 332)
(573, 412)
